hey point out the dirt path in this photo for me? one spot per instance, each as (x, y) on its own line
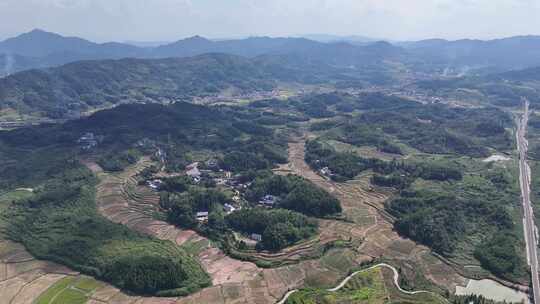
(348, 278)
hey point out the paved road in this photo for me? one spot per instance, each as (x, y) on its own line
(529, 227)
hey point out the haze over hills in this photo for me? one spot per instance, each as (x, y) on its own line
(354, 39)
(95, 77)
(508, 53)
(40, 49)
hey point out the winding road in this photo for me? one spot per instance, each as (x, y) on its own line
(529, 226)
(344, 282)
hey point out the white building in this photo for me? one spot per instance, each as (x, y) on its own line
(202, 216)
(256, 237)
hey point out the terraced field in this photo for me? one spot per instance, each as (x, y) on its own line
(121, 200)
(364, 208)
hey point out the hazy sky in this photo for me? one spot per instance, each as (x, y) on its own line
(165, 20)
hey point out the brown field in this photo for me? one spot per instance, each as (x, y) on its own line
(23, 278)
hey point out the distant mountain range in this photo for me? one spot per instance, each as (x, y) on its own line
(40, 49)
(74, 75)
(509, 53)
(352, 39)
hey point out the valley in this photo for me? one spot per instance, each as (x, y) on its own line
(268, 170)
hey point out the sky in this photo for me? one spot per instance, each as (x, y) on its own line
(168, 20)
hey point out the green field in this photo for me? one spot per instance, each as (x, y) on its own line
(369, 287)
(72, 290)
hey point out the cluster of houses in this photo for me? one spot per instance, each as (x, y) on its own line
(216, 98)
(223, 178)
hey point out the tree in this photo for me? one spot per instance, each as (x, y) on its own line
(279, 236)
(182, 214)
(308, 199)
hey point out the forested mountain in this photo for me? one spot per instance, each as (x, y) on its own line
(38, 49)
(80, 86)
(38, 43)
(338, 53)
(508, 53)
(530, 74)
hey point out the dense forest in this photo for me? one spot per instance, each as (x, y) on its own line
(295, 193)
(69, 90)
(279, 228)
(33, 153)
(442, 130)
(60, 223)
(80, 86)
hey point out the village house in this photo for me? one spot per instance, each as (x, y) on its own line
(154, 184)
(88, 141)
(202, 216)
(268, 200)
(256, 237)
